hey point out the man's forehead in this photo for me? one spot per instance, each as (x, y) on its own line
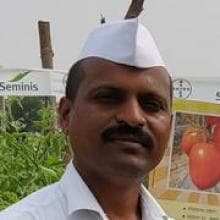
(98, 71)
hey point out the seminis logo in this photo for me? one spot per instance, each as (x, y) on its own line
(16, 84)
(182, 88)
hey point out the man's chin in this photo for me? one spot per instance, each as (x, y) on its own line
(129, 158)
(131, 167)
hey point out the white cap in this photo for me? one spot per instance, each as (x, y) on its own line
(125, 42)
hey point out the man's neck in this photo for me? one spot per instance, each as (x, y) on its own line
(119, 197)
(119, 203)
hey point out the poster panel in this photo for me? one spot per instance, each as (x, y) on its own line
(187, 181)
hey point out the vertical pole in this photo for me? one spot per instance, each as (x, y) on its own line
(46, 52)
(45, 44)
(135, 8)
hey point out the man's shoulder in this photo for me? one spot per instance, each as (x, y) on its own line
(36, 206)
(16, 216)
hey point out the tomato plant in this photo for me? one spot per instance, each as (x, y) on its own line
(204, 165)
(192, 135)
(32, 159)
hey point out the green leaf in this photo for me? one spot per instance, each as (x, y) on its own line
(19, 76)
(48, 171)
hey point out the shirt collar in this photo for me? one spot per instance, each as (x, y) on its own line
(77, 194)
(73, 186)
(149, 203)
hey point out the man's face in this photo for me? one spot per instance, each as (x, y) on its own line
(119, 123)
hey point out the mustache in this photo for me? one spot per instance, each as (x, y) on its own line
(128, 132)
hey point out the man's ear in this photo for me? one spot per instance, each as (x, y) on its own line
(64, 113)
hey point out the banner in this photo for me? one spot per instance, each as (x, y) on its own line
(187, 181)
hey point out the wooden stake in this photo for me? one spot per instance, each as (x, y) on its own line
(135, 8)
(46, 53)
(45, 44)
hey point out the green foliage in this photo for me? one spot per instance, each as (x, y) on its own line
(26, 109)
(29, 160)
(19, 76)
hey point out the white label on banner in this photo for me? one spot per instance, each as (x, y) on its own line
(23, 82)
(58, 83)
(203, 89)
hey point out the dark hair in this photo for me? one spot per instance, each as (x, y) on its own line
(74, 78)
(76, 75)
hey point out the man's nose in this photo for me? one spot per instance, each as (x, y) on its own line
(130, 112)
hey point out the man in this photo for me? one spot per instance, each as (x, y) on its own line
(117, 114)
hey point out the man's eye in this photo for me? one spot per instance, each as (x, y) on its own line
(153, 106)
(107, 98)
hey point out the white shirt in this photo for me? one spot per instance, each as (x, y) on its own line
(71, 199)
